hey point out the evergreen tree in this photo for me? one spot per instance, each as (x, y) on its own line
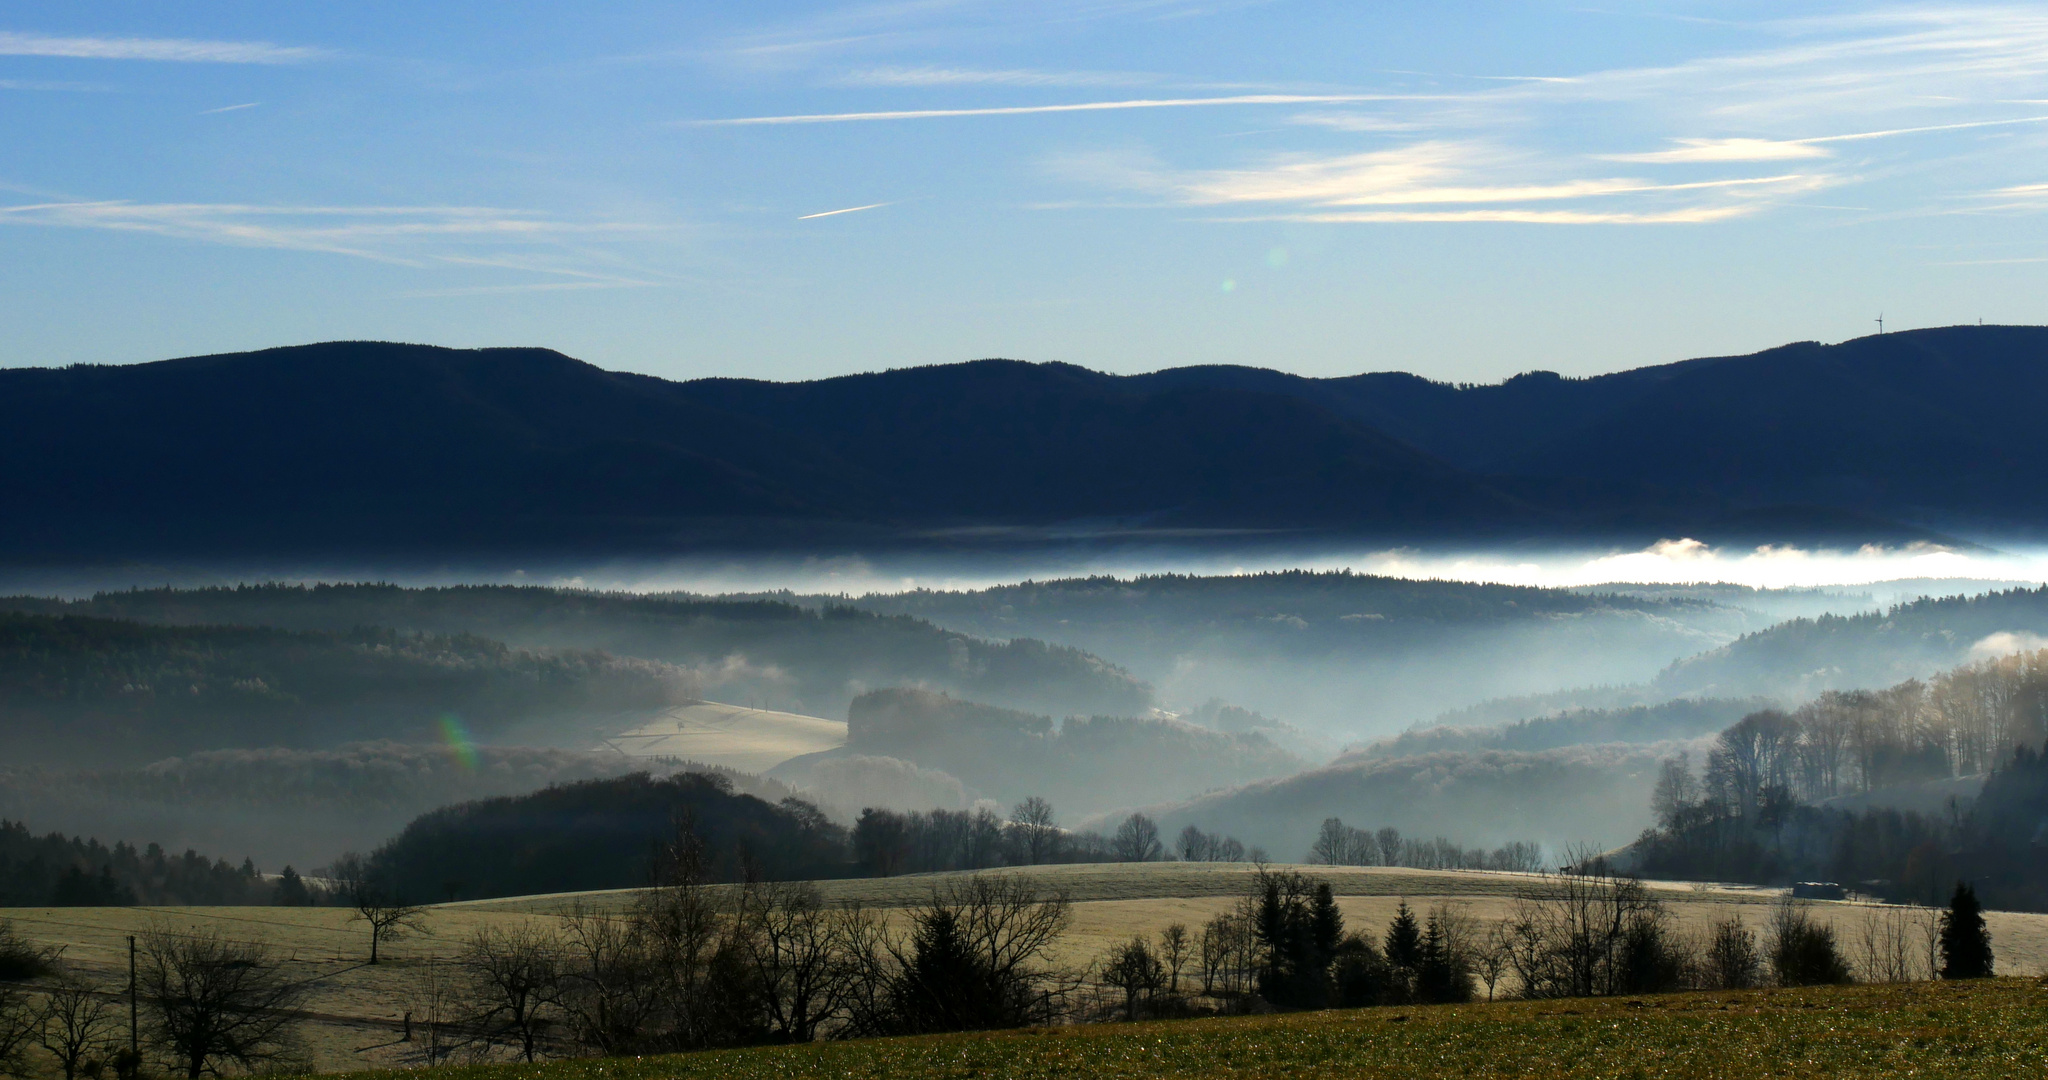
(1965, 941)
(1404, 954)
(1299, 929)
(945, 987)
(1404, 939)
(1441, 975)
(291, 890)
(1326, 925)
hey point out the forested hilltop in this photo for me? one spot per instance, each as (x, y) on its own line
(109, 691)
(1180, 607)
(1800, 658)
(518, 453)
(296, 805)
(772, 653)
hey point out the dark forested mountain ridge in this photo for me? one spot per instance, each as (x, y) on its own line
(372, 448)
(348, 446)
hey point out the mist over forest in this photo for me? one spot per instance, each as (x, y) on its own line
(1225, 682)
(291, 722)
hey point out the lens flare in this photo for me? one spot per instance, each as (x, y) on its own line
(456, 738)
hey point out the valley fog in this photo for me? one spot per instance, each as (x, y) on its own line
(1532, 696)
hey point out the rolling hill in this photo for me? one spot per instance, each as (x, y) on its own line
(112, 691)
(764, 653)
(371, 449)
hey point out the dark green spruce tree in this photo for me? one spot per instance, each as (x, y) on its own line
(1404, 953)
(1965, 941)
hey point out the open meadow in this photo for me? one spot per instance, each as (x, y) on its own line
(358, 1010)
(1981, 1030)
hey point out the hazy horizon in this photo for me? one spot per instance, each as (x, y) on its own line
(1678, 561)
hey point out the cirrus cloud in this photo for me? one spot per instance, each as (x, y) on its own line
(182, 50)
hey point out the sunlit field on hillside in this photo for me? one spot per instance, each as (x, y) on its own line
(358, 1011)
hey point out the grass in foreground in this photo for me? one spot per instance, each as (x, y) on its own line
(1994, 1028)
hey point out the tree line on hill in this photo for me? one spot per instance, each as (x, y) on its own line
(605, 834)
(1173, 612)
(1802, 657)
(54, 870)
(83, 688)
(1684, 718)
(1338, 844)
(810, 659)
(1751, 814)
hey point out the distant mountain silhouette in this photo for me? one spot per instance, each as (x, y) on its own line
(369, 449)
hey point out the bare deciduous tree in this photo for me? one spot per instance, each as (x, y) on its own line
(515, 979)
(435, 1031)
(608, 988)
(17, 1028)
(212, 1000)
(1037, 829)
(1175, 947)
(1137, 840)
(1493, 956)
(77, 1025)
(376, 903)
(790, 942)
(1132, 969)
(1570, 933)
(1229, 949)
(1887, 945)
(1389, 841)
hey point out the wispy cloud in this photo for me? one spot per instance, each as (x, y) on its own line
(1425, 175)
(1698, 151)
(58, 87)
(1692, 215)
(957, 76)
(230, 108)
(414, 236)
(184, 50)
(1030, 110)
(1885, 75)
(1692, 151)
(531, 287)
(897, 24)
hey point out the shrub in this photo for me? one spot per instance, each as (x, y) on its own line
(1803, 951)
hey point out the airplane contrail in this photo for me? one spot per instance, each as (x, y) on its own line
(1023, 110)
(848, 210)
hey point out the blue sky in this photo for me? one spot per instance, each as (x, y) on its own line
(790, 190)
